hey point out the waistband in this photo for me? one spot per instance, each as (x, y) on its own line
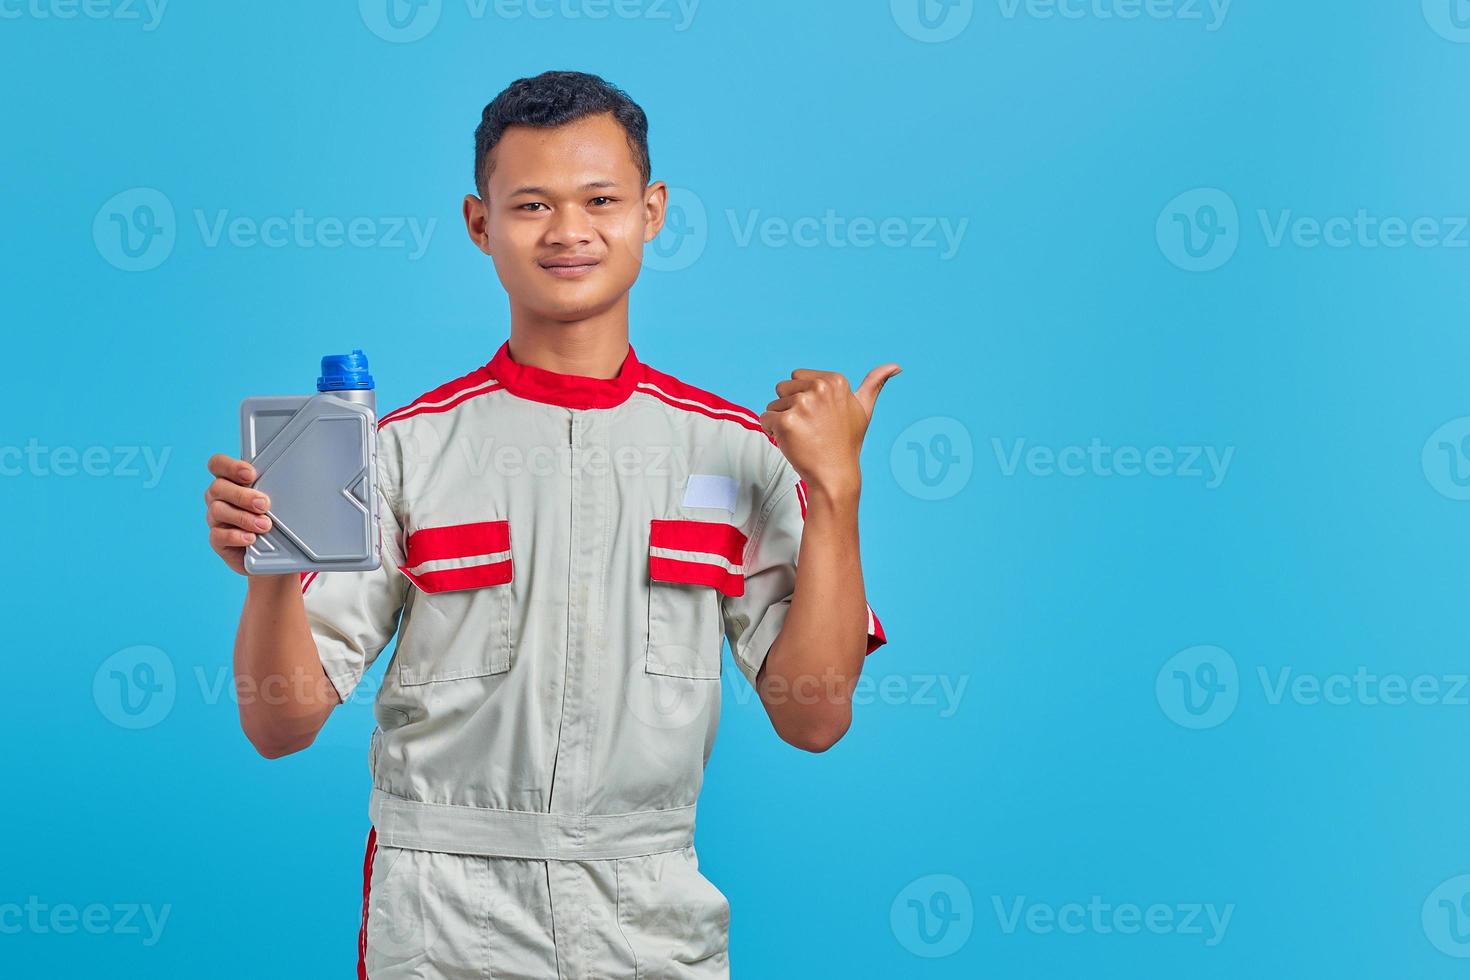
(526, 833)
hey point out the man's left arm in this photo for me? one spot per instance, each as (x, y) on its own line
(807, 679)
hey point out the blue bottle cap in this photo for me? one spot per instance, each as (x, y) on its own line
(345, 372)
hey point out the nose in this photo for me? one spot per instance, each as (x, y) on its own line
(569, 227)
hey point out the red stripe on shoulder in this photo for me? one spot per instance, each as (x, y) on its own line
(434, 408)
(677, 394)
(679, 389)
(444, 397)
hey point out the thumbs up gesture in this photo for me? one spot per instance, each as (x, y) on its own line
(818, 421)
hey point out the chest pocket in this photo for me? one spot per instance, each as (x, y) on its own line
(460, 621)
(690, 565)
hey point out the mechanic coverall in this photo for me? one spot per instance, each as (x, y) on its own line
(561, 557)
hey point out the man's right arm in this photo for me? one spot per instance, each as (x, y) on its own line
(284, 693)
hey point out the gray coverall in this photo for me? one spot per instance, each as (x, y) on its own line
(561, 559)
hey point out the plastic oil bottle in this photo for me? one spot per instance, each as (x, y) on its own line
(315, 457)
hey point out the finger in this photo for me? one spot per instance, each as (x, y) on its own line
(222, 514)
(821, 382)
(232, 469)
(791, 387)
(781, 421)
(867, 392)
(781, 404)
(229, 537)
(771, 423)
(242, 497)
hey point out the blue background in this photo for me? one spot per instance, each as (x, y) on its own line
(1074, 763)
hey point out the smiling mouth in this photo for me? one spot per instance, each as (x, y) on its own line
(570, 268)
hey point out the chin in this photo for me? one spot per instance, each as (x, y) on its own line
(579, 298)
(573, 307)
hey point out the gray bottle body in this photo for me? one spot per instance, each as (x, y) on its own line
(316, 457)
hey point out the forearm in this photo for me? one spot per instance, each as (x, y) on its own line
(283, 692)
(807, 680)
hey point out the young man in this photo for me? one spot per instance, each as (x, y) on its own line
(567, 534)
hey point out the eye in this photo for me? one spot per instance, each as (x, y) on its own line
(531, 204)
(608, 200)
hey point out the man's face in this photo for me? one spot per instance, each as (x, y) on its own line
(565, 217)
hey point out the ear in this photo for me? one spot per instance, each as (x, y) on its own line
(476, 222)
(655, 206)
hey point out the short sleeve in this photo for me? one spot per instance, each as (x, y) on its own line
(753, 620)
(353, 615)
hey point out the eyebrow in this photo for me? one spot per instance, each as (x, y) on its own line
(594, 185)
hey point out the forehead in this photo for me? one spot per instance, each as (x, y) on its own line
(590, 149)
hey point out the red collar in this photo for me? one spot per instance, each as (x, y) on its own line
(566, 390)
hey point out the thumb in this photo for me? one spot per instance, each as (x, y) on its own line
(867, 392)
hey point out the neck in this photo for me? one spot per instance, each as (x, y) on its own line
(592, 348)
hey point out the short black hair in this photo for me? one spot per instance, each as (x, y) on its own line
(555, 98)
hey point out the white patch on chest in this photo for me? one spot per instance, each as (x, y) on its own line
(708, 490)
